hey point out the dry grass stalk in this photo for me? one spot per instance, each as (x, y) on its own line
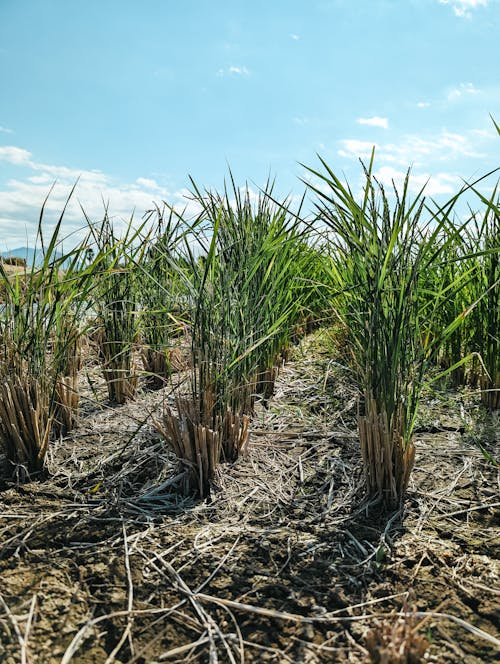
(25, 423)
(157, 367)
(386, 460)
(490, 392)
(67, 402)
(397, 642)
(121, 384)
(235, 436)
(200, 447)
(265, 383)
(118, 368)
(197, 446)
(66, 397)
(177, 360)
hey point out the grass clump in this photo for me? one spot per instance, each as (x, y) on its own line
(241, 275)
(381, 249)
(486, 291)
(160, 294)
(115, 304)
(40, 324)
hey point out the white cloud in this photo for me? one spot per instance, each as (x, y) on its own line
(14, 155)
(489, 134)
(452, 94)
(233, 70)
(44, 178)
(22, 197)
(356, 149)
(461, 90)
(375, 121)
(148, 183)
(5, 130)
(294, 37)
(441, 183)
(239, 71)
(415, 150)
(463, 8)
(445, 146)
(432, 158)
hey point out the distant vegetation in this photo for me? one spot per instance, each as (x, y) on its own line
(13, 260)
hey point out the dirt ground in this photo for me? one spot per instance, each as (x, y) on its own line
(101, 561)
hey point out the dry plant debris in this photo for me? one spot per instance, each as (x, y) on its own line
(102, 561)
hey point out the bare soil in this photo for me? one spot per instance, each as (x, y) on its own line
(102, 561)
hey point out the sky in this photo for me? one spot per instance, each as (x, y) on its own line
(133, 98)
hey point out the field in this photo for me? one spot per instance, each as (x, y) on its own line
(255, 435)
(280, 565)
(14, 269)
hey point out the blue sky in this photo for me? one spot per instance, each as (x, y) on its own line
(133, 97)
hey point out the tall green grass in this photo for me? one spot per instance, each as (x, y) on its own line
(40, 324)
(484, 322)
(471, 352)
(160, 294)
(383, 248)
(115, 304)
(242, 278)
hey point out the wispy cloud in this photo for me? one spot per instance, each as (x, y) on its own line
(463, 8)
(441, 183)
(434, 159)
(451, 93)
(233, 70)
(148, 183)
(375, 121)
(5, 130)
(488, 134)
(353, 148)
(239, 71)
(294, 37)
(23, 196)
(462, 90)
(445, 146)
(14, 155)
(413, 149)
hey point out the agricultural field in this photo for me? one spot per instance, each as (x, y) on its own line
(256, 435)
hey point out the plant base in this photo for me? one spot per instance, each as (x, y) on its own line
(387, 461)
(199, 447)
(25, 424)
